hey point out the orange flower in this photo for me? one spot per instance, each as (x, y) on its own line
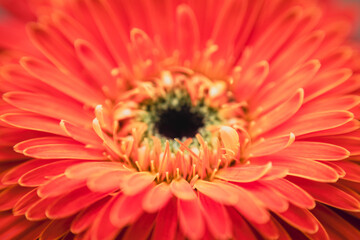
(180, 119)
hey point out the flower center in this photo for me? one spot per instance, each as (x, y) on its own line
(174, 116)
(177, 125)
(179, 122)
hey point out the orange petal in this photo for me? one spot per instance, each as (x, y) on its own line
(67, 84)
(73, 202)
(320, 192)
(218, 191)
(352, 170)
(141, 229)
(54, 47)
(126, 209)
(63, 151)
(271, 200)
(302, 167)
(58, 186)
(241, 229)
(32, 142)
(271, 145)
(245, 173)
(250, 207)
(102, 228)
(136, 182)
(11, 195)
(217, 218)
(336, 226)
(84, 170)
(50, 106)
(106, 181)
(43, 173)
(37, 211)
(191, 219)
(25, 202)
(166, 222)
(281, 113)
(301, 219)
(33, 122)
(315, 151)
(84, 219)
(157, 198)
(268, 230)
(230, 139)
(182, 189)
(56, 229)
(82, 135)
(313, 122)
(290, 191)
(188, 35)
(98, 65)
(13, 175)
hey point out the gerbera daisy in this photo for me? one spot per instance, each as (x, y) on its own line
(180, 120)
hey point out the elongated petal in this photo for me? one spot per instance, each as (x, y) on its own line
(25, 202)
(136, 182)
(166, 222)
(82, 135)
(56, 229)
(352, 170)
(272, 200)
(282, 113)
(191, 219)
(292, 192)
(10, 196)
(43, 173)
(313, 122)
(97, 64)
(127, 209)
(105, 181)
(218, 191)
(49, 106)
(250, 207)
(320, 191)
(272, 145)
(83, 170)
(157, 198)
(268, 229)
(58, 186)
(316, 151)
(182, 189)
(33, 122)
(216, 217)
(241, 228)
(230, 139)
(336, 226)
(69, 151)
(69, 85)
(301, 219)
(37, 211)
(73, 202)
(302, 167)
(33, 142)
(13, 175)
(246, 173)
(141, 229)
(54, 47)
(84, 219)
(102, 228)
(244, 87)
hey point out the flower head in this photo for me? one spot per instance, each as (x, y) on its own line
(180, 119)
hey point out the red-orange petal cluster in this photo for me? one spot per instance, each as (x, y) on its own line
(83, 154)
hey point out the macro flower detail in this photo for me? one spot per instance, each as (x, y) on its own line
(179, 120)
